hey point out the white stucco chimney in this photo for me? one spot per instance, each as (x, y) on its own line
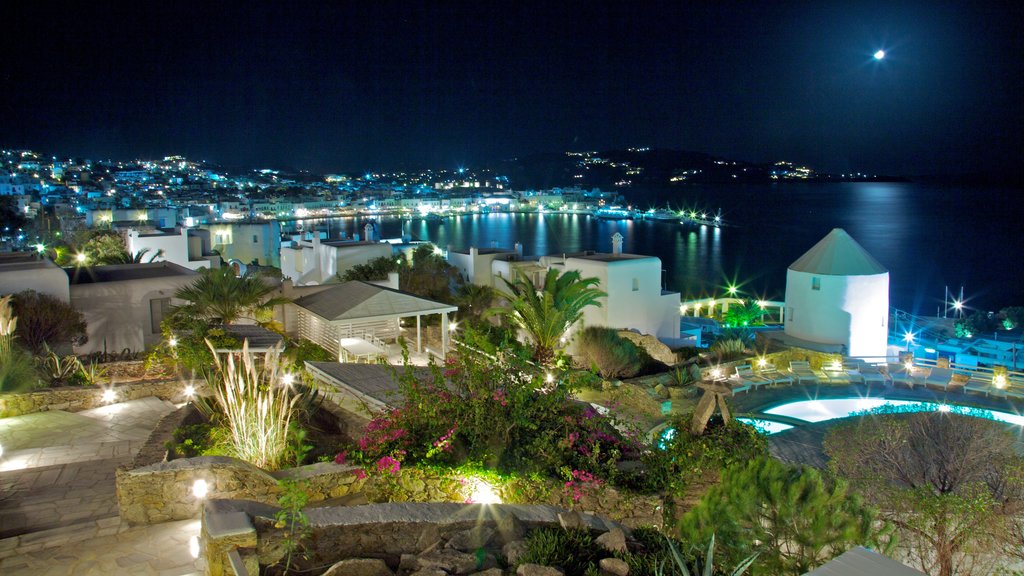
(616, 243)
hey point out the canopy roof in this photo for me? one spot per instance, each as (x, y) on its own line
(838, 254)
(362, 301)
(860, 561)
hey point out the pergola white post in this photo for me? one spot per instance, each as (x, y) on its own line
(419, 340)
(444, 334)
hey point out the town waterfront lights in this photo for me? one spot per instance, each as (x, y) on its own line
(200, 488)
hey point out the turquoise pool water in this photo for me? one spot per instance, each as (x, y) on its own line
(821, 410)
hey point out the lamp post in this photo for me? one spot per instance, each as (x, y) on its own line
(909, 338)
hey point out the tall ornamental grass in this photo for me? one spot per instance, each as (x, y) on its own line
(17, 371)
(256, 403)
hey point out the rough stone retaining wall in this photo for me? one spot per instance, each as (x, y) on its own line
(76, 399)
(383, 531)
(162, 492)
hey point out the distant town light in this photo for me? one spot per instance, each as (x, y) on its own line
(880, 55)
(958, 305)
(944, 408)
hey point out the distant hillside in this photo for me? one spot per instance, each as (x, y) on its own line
(643, 168)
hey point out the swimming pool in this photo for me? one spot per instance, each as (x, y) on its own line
(820, 410)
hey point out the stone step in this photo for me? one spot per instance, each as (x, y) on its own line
(55, 537)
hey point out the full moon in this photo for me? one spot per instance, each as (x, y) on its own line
(880, 54)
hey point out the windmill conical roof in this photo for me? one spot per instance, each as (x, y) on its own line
(838, 254)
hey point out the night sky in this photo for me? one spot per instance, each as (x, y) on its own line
(355, 85)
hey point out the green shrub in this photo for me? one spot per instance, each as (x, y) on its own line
(728, 349)
(684, 457)
(612, 355)
(572, 550)
(192, 440)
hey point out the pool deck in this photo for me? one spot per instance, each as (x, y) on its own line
(803, 444)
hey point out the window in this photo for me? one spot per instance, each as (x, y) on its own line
(815, 283)
(158, 310)
(636, 284)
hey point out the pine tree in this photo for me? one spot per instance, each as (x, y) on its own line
(789, 516)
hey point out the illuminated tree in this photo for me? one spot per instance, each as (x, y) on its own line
(951, 484)
(219, 296)
(546, 315)
(789, 516)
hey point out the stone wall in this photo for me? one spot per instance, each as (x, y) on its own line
(76, 399)
(460, 538)
(162, 492)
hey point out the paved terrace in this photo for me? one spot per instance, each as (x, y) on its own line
(58, 509)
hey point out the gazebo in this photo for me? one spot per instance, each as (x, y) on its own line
(353, 319)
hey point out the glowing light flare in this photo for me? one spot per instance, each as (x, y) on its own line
(288, 379)
(482, 492)
(908, 337)
(193, 546)
(80, 258)
(190, 391)
(761, 362)
(200, 489)
(880, 55)
(109, 395)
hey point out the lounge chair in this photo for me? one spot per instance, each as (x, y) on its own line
(770, 372)
(939, 377)
(867, 373)
(837, 374)
(900, 374)
(745, 374)
(803, 373)
(983, 385)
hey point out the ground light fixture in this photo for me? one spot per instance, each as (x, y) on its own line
(109, 395)
(190, 391)
(288, 379)
(482, 492)
(200, 488)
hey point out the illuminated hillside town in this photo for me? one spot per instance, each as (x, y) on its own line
(512, 289)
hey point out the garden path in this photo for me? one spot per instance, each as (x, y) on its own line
(58, 507)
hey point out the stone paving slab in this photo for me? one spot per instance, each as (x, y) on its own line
(160, 550)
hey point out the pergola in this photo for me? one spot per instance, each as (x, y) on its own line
(360, 311)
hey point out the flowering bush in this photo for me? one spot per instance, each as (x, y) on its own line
(499, 413)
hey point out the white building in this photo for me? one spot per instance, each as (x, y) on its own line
(838, 294)
(309, 262)
(124, 304)
(20, 271)
(635, 299)
(476, 265)
(184, 247)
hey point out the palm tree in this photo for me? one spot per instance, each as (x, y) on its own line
(138, 256)
(546, 315)
(475, 299)
(218, 296)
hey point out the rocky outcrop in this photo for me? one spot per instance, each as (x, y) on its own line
(654, 347)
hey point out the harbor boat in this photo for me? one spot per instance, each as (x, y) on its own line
(613, 213)
(661, 215)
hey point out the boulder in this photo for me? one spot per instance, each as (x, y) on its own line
(571, 520)
(613, 567)
(613, 540)
(651, 345)
(513, 551)
(470, 540)
(450, 560)
(537, 570)
(360, 567)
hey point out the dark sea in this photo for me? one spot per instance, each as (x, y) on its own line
(929, 236)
